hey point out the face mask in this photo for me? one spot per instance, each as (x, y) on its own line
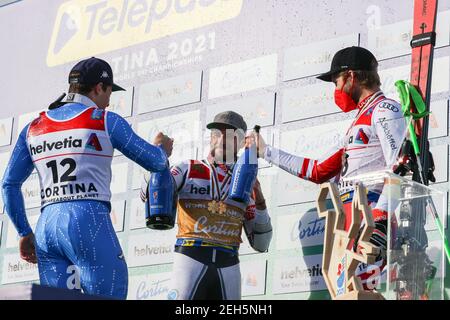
(344, 100)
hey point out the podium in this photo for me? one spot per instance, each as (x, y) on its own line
(416, 245)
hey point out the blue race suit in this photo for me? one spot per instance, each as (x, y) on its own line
(75, 239)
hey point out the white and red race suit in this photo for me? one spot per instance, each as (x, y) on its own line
(206, 263)
(372, 143)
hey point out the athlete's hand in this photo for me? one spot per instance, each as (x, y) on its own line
(254, 137)
(27, 248)
(260, 202)
(165, 141)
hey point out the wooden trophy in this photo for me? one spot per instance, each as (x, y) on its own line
(339, 263)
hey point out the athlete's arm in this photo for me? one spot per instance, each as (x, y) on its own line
(18, 170)
(132, 146)
(308, 169)
(257, 225)
(390, 126)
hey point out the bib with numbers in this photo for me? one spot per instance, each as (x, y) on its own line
(72, 157)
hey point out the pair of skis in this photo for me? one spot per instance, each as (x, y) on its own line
(422, 43)
(415, 95)
(415, 98)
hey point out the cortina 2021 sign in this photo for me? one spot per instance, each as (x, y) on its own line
(87, 27)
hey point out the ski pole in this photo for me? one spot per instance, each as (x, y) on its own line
(407, 90)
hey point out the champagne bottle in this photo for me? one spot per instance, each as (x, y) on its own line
(244, 174)
(160, 209)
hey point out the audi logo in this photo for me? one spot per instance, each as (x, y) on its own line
(389, 107)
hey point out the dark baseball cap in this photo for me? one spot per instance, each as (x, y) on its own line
(228, 119)
(92, 71)
(350, 58)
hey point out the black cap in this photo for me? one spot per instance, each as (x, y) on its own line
(350, 58)
(92, 71)
(229, 119)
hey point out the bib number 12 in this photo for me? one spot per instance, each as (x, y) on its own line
(66, 176)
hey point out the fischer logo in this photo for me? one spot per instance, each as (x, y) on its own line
(56, 145)
(90, 27)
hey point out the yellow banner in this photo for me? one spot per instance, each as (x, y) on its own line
(86, 28)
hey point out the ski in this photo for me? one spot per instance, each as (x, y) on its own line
(422, 43)
(416, 271)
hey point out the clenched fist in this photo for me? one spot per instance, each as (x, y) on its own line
(165, 141)
(256, 138)
(27, 248)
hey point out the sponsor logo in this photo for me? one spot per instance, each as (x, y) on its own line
(387, 133)
(361, 137)
(200, 190)
(21, 266)
(70, 97)
(104, 75)
(314, 228)
(90, 27)
(388, 106)
(152, 251)
(314, 271)
(221, 228)
(56, 145)
(97, 114)
(155, 195)
(340, 281)
(153, 289)
(93, 143)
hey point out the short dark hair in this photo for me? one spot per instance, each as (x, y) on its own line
(84, 89)
(367, 79)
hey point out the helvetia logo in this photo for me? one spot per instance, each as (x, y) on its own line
(46, 146)
(93, 143)
(90, 27)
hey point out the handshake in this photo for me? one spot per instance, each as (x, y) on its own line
(165, 141)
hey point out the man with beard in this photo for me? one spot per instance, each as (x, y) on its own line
(373, 141)
(206, 262)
